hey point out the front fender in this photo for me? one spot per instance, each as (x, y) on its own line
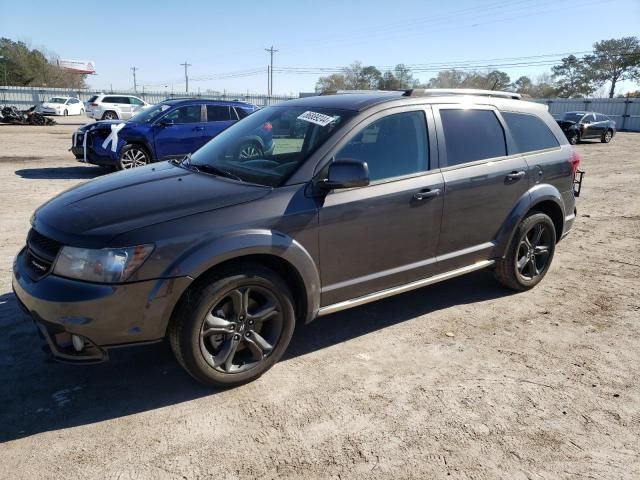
(210, 253)
(535, 195)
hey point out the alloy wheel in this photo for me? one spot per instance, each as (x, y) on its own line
(133, 157)
(242, 329)
(532, 255)
(607, 136)
(249, 152)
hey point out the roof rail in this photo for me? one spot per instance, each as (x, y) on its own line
(351, 92)
(426, 92)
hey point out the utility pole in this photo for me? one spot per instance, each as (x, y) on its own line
(135, 85)
(271, 51)
(186, 76)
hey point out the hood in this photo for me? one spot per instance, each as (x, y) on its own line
(106, 125)
(566, 124)
(95, 212)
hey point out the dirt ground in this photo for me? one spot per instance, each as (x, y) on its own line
(463, 379)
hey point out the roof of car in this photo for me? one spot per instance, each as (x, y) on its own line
(235, 103)
(363, 101)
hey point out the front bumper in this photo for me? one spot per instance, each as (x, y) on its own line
(102, 315)
(105, 157)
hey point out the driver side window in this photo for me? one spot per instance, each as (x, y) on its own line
(393, 146)
(187, 114)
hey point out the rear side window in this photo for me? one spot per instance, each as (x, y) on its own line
(529, 132)
(217, 113)
(124, 100)
(135, 101)
(472, 135)
(242, 113)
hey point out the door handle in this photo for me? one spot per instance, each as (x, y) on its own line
(426, 193)
(514, 177)
(198, 129)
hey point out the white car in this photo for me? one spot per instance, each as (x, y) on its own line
(62, 106)
(114, 107)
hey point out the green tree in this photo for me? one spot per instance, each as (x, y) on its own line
(614, 60)
(335, 81)
(572, 78)
(26, 66)
(523, 85)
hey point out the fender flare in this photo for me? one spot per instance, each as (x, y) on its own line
(211, 252)
(535, 195)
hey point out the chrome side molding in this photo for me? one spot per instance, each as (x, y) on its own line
(389, 292)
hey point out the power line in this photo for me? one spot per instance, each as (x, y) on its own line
(270, 83)
(135, 85)
(186, 75)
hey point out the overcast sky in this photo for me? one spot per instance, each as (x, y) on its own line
(220, 38)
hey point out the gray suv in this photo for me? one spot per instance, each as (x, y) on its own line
(363, 196)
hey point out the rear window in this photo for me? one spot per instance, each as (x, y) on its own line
(472, 135)
(92, 98)
(218, 113)
(242, 113)
(529, 132)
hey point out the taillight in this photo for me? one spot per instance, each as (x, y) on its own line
(574, 161)
(267, 126)
(94, 104)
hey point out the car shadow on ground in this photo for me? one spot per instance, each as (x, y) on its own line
(40, 395)
(61, 173)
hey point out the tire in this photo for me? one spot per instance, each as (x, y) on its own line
(132, 156)
(248, 338)
(607, 136)
(109, 115)
(82, 111)
(249, 151)
(521, 268)
(574, 138)
(66, 113)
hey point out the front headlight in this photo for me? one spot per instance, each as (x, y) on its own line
(113, 265)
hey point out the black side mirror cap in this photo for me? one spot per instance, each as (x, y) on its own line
(346, 174)
(165, 123)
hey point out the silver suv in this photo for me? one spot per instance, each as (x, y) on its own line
(114, 107)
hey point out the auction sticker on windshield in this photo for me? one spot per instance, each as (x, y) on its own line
(317, 118)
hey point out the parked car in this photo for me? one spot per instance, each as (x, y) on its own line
(578, 126)
(61, 106)
(224, 255)
(114, 107)
(170, 129)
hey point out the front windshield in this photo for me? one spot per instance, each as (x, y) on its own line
(57, 100)
(573, 116)
(269, 145)
(150, 114)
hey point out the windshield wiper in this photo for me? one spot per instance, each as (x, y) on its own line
(217, 171)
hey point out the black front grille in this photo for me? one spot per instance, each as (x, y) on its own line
(41, 253)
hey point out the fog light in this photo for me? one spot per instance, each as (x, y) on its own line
(78, 343)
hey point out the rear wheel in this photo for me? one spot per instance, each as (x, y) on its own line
(606, 136)
(133, 156)
(233, 326)
(529, 254)
(82, 111)
(66, 112)
(109, 116)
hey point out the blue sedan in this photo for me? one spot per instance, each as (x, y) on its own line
(168, 130)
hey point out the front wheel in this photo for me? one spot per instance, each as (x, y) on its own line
(529, 254)
(66, 112)
(574, 138)
(133, 156)
(606, 136)
(233, 326)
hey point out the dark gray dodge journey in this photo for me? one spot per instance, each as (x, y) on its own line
(362, 197)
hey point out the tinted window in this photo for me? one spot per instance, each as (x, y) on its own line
(589, 118)
(472, 135)
(92, 98)
(73, 101)
(135, 101)
(392, 146)
(529, 132)
(124, 100)
(187, 114)
(241, 112)
(217, 113)
(601, 118)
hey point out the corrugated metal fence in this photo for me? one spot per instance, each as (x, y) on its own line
(24, 97)
(624, 111)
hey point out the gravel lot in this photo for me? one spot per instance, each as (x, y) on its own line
(463, 379)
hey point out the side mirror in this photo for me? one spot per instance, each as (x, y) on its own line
(166, 122)
(346, 174)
